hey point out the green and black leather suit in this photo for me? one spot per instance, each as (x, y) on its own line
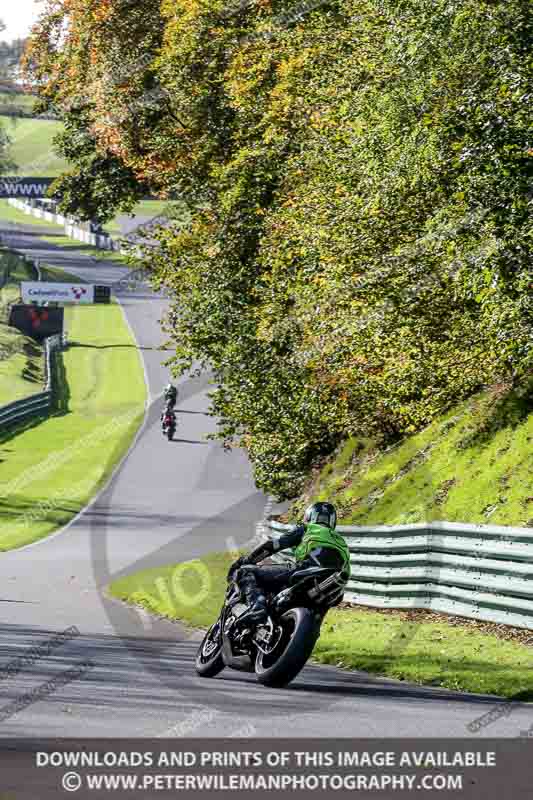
(312, 545)
(171, 395)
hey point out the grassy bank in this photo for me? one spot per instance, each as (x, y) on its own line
(9, 213)
(21, 359)
(473, 464)
(51, 468)
(73, 245)
(451, 654)
(58, 275)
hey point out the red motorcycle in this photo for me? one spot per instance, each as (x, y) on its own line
(168, 424)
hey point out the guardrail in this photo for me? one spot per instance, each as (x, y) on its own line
(483, 572)
(37, 404)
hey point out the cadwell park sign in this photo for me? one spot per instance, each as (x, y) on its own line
(24, 188)
(42, 292)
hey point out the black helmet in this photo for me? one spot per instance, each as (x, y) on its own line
(322, 514)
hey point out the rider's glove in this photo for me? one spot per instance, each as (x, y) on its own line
(236, 564)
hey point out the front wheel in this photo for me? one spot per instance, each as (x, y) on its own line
(300, 630)
(209, 660)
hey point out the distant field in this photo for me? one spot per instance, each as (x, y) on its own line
(150, 208)
(24, 102)
(31, 147)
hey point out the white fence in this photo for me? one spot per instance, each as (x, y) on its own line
(72, 229)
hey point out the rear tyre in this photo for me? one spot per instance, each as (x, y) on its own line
(170, 434)
(209, 660)
(300, 632)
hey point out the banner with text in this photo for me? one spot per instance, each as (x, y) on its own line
(24, 188)
(193, 769)
(41, 292)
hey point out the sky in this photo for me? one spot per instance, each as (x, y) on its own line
(18, 17)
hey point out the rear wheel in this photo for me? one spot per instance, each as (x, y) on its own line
(209, 660)
(300, 630)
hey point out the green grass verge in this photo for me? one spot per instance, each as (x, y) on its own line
(31, 147)
(151, 208)
(57, 275)
(21, 359)
(435, 653)
(473, 464)
(50, 469)
(14, 101)
(66, 243)
(148, 208)
(11, 214)
(113, 227)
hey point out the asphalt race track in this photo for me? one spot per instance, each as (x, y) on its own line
(168, 503)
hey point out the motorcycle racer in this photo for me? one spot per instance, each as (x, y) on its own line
(314, 543)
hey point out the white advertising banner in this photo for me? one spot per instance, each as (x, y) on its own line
(42, 292)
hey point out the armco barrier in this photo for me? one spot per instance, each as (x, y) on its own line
(38, 404)
(484, 572)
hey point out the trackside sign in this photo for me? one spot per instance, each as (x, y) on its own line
(42, 292)
(25, 188)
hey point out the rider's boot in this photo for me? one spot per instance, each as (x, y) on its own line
(257, 606)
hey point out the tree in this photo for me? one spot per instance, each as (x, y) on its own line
(5, 161)
(355, 260)
(92, 63)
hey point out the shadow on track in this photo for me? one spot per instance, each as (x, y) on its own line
(188, 441)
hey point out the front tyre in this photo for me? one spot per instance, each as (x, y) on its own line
(209, 660)
(300, 632)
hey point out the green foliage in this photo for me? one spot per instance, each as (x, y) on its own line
(97, 183)
(357, 175)
(362, 263)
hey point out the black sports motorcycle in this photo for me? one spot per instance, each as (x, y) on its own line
(276, 650)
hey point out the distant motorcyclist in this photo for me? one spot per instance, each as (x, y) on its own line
(168, 411)
(170, 394)
(168, 421)
(315, 544)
